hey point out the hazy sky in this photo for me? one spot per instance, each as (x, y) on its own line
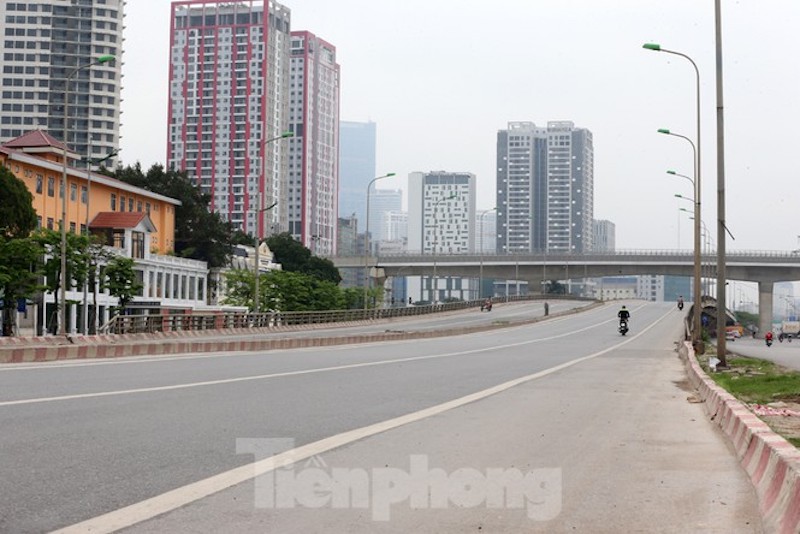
(440, 77)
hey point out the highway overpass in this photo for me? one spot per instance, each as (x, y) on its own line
(763, 267)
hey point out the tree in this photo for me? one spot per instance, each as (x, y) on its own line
(283, 291)
(120, 279)
(17, 216)
(295, 257)
(199, 233)
(19, 255)
(20, 261)
(77, 262)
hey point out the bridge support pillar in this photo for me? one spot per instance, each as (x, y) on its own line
(764, 307)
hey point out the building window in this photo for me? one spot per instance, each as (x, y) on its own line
(130, 204)
(51, 186)
(137, 244)
(113, 202)
(83, 229)
(49, 223)
(39, 180)
(38, 222)
(139, 206)
(121, 203)
(73, 192)
(84, 194)
(118, 239)
(72, 227)
(147, 207)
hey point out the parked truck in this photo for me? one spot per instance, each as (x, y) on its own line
(789, 330)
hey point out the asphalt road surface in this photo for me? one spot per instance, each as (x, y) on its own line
(586, 430)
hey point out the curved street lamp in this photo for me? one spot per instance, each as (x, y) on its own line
(89, 162)
(657, 48)
(62, 316)
(367, 281)
(697, 260)
(259, 210)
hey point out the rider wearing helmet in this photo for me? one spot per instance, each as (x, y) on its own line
(624, 314)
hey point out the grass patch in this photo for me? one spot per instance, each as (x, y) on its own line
(794, 441)
(758, 381)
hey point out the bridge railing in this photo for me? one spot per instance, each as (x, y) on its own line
(137, 324)
(653, 255)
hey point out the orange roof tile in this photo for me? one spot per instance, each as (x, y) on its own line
(35, 139)
(116, 219)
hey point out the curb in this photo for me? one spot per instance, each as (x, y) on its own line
(771, 462)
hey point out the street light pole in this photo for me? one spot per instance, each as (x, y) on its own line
(367, 281)
(697, 173)
(62, 317)
(89, 162)
(673, 173)
(696, 336)
(480, 277)
(435, 285)
(259, 210)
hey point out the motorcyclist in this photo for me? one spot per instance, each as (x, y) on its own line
(768, 337)
(680, 302)
(623, 315)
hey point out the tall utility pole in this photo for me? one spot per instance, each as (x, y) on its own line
(722, 315)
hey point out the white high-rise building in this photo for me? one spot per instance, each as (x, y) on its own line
(545, 188)
(487, 232)
(381, 201)
(604, 236)
(46, 41)
(229, 106)
(395, 226)
(441, 220)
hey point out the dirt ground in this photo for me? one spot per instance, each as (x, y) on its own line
(787, 422)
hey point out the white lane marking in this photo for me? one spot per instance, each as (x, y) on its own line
(174, 499)
(292, 373)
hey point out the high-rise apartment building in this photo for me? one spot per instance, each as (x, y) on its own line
(487, 232)
(228, 107)
(381, 202)
(357, 166)
(47, 41)
(441, 220)
(314, 149)
(604, 235)
(395, 226)
(545, 184)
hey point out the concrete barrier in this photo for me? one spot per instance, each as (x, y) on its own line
(114, 346)
(771, 462)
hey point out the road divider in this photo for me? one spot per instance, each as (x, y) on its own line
(159, 344)
(771, 462)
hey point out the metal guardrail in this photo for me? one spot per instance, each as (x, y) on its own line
(137, 324)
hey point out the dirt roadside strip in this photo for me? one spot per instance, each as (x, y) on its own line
(157, 344)
(771, 462)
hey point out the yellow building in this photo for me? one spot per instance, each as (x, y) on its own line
(135, 223)
(36, 158)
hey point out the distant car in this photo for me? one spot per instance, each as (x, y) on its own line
(730, 336)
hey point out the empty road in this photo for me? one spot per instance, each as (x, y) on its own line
(594, 426)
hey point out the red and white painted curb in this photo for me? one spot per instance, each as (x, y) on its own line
(771, 462)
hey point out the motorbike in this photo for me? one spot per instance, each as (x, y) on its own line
(623, 326)
(680, 305)
(768, 341)
(487, 306)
